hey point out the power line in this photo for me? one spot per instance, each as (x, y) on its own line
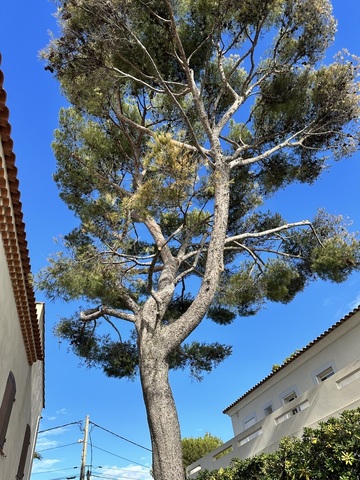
(60, 426)
(52, 471)
(63, 478)
(91, 447)
(59, 446)
(119, 436)
(118, 456)
(115, 468)
(112, 478)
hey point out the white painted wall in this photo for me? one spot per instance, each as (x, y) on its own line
(318, 401)
(340, 347)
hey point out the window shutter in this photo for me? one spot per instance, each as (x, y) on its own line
(24, 452)
(6, 407)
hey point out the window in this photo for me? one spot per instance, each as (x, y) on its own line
(6, 407)
(292, 412)
(349, 378)
(322, 376)
(249, 421)
(24, 452)
(290, 397)
(268, 410)
(195, 469)
(323, 372)
(249, 437)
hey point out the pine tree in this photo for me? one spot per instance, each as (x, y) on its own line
(186, 117)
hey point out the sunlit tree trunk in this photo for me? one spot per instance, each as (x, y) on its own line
(161, 412)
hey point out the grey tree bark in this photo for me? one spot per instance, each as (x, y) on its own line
(161, 412)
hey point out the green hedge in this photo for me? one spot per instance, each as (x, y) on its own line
(329, 452)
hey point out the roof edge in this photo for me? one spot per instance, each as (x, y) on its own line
(295, 356)
(12, 230)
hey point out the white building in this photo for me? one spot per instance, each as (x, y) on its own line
(21, 323)
(316, 383)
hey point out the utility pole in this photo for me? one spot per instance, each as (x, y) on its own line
(85, 442)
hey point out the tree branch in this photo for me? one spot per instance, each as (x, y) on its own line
(101, 311)
(288, 226)
(235, 161)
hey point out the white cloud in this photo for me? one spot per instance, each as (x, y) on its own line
(45, 440)
(59, 412)
(55, 432)
(44, 465)
(62, 411)
(44, 443)
(132, 472)
(328, 301)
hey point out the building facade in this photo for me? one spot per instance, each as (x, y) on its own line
(21, 323)
(316, 383)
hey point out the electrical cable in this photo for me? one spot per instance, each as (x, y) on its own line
(91, 450)
(51, 471)
(119, 436)
(93, 446)
(59, 446)
(114, 478)
(123, 458)
(63, 478)
(60, 426)
(115, 468)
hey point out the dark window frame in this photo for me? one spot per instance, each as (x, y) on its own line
(6, 408)
(325, 374)
(24, 453)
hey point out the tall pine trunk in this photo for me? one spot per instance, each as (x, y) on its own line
(161, 412)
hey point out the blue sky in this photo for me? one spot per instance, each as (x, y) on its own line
(259, 342)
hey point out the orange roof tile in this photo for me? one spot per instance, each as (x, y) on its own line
(12, 230)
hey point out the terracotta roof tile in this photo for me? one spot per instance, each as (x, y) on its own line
(12, 230)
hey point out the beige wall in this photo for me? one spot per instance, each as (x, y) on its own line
(29, 379)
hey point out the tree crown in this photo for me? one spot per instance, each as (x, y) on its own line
(180, 110)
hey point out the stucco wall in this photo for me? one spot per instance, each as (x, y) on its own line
(338, 348)
(29, 379)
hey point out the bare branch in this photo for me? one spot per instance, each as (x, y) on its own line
(197, 254)
(146, 130)
(102, 311)
(253, 254)
(287, 226)
(189, 75)
(235, 161)
(107, 319)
